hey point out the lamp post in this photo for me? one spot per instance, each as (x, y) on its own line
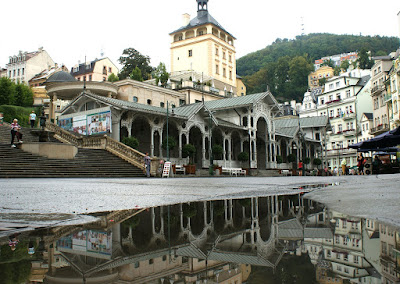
(167, 134)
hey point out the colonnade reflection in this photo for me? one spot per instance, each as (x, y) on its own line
(219, 241)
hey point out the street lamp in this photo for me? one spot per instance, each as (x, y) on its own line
(168, 130)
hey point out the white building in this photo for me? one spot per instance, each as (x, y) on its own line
(25, 65)
(344, 100)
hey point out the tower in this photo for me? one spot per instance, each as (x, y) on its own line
(204, 46)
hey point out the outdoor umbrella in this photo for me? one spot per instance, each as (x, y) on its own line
(388, 139)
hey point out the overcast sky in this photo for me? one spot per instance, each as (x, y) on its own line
(69, 30)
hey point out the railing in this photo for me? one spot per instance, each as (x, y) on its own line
(119, 149)
(376, 90)
(379, 129)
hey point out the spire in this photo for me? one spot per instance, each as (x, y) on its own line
(202, 7)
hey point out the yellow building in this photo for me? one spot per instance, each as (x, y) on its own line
(314, 77)
(97, 70)
(204, 46)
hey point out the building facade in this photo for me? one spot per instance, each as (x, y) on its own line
(379, 75)
(97, 70)
(203, 45)
(25, 65)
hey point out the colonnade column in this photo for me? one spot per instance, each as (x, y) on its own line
(180, 145)
(160, 144)
(152, 143)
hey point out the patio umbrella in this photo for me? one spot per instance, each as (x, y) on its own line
(388, 139)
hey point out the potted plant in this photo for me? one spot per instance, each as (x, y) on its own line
(189, 150)
(317, 162)
(244, 157)
(131, 142)
(171, 143)
(279, 159)
(217, 151)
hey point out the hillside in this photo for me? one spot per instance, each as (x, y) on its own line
(315, 46)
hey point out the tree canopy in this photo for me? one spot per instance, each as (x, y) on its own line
(15, 94)
(130, 59)
(161, 75)
(284, 65)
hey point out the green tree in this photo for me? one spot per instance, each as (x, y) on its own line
(7, 90)
(345, 65)
(328, 63)
(299, 68)
(130, 59)
(161, 75)
(322, 81)
(136, 74)
(336, 71)
(23, 95)
(364, 61)
(113, 78)
(217, 151)
(188, 150)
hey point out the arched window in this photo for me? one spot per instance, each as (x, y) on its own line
(135, 99)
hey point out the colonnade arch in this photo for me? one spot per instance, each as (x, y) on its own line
(141, 129)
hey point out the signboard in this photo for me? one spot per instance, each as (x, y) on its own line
(87, 242)
(167, 169)
(96, 121)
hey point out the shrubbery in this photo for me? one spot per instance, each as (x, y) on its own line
(18, 112)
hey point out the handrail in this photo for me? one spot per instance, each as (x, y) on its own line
(117, 148)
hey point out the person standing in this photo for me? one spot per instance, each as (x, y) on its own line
(300, 166)
(14, 129)
(147, 164)
(32, 118)
(360, 163)
(344, 165)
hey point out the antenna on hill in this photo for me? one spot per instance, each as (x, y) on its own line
(302, 26)
(84, 80)
(102, 53)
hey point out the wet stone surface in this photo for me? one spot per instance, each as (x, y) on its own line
(282, 238)
(253, 230)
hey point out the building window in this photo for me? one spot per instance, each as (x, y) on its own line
(149, 102)
(216, 51)
(104, 79)
(18, 72)
(79, 78)
(201, 33)
(13, 73)
(84, 78)
(90, 77)
(109, 69)
(151, 261)
(223, 55)
(135, 99)
(162, 104)
(330, 86)
(230, 74)
(216, 69)
(224, 72)
(104, 70)
(190, 53)
(348, 94)
(182, 102)
(137, 264)
(230, 58)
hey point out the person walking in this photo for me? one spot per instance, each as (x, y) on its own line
(344, 165)
(32, 118)
(147, 164)
(14, 129)
(360, 164)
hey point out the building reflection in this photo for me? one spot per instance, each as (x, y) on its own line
(223, 241)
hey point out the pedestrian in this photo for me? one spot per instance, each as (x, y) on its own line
(376, 165)
(147, 164)
(13, 241)
(360, 163)
(32, 118)
(14, 129)
(300, 167)
(344, 165)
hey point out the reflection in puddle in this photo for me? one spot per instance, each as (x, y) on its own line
(275, 239)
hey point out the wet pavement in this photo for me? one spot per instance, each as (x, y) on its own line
(284, 229)
(264, 239)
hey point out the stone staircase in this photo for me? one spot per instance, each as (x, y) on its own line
(88, 163)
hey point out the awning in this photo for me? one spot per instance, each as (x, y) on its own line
(385, 140)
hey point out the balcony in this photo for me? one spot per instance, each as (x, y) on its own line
(388, 98)
(349, 132)
(349, 116)
(333, 101)
(377, 90)
(379, 129)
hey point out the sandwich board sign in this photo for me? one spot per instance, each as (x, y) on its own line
(167, 169)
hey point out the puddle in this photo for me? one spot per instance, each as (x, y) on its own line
(315, 186)
(285, 239)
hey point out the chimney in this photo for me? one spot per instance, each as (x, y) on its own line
(186, 19)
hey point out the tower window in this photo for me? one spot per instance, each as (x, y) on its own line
(216, 51)
(216, 69)
(190, 53)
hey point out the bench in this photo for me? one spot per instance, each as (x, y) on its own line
(234, 171)
(179, 169)
(286, 172)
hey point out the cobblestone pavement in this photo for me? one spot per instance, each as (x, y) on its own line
(366, 196)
